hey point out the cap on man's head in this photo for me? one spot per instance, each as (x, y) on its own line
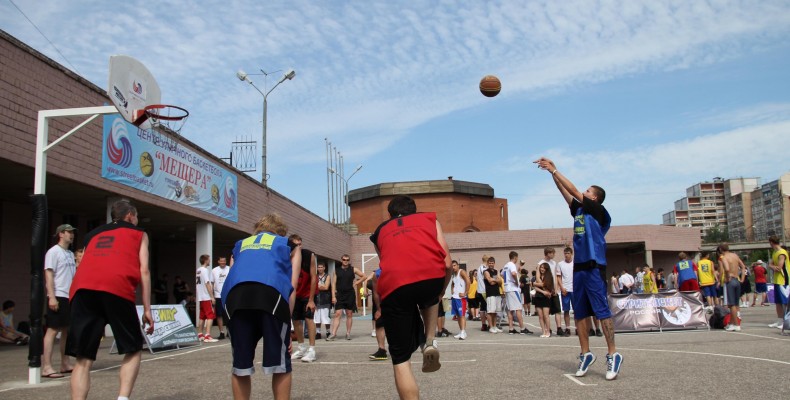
(64, 228)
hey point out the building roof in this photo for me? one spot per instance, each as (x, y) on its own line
(420, 187)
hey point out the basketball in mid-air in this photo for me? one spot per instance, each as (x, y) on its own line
(490, 86)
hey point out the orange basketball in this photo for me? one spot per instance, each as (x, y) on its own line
(490, 86)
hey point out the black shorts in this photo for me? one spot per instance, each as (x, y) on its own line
(300, 310)
(91, 310)
(554, 305)
(472, 302)
(247, 328)
(346, 301)
(402, 320)
(481, 301)
(61, 318)
(219, 308)
(526, 296)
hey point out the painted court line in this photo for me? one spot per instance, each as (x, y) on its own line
(573, 378)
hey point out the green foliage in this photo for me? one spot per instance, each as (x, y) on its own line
(716, 234)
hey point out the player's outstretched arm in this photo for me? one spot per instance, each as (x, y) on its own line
(564, 185)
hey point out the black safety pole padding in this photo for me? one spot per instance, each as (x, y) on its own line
(38, 249)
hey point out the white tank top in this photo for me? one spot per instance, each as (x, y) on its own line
(459, 285)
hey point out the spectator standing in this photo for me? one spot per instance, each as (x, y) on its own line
(59, 269)
(544, 287)
(687, 274)
(493, 296)
(639, 284)
(205, 299)
(780, 265)
(304, 303)
(323, 300)
(525, 283)
(460, 284)
(565, 270)
(481, 293)
(219, 274)
(180, 289)
(626, 283)
(160, 290)
(760, 283)
(345, 279)
(649, 280)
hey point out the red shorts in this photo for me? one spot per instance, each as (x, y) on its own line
(690, 285)
(206, 310)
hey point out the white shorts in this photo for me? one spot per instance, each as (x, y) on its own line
(493, 304)
(513, 300)
(321, 316)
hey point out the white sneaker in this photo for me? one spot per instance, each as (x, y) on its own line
(493, 330)
(458, 336)
(309, 356)
(373, 333)
(499, 330)
(777, 324)
(462, 335)
(733, 328)
(299, 353)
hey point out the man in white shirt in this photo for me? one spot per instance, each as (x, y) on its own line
(59, 269)
(481, 292)
(219, 273)
(565, 270)
(513, 295)
(638, 278)
(205, 298)
(626, 283)
(555, 307)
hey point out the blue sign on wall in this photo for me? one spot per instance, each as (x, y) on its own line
(149, 161)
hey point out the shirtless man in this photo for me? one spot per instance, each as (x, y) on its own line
(732, 267)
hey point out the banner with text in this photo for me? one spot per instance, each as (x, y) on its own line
(172, 326)
(657, 312)
(150, 161)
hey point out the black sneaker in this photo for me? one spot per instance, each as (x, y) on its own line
(559, 332)
(598, 333)
(512, 332)
(221, 336)
(379, 355)
(526, 331)
(318, 335)
(484, 328)
(592, 332)
(447, 333)
(567, 332)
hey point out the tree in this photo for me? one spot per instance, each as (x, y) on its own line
(716, 234)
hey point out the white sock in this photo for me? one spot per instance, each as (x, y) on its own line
(123, 398)
(311, 348)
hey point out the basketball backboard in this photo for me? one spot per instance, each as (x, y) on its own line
(131, 87)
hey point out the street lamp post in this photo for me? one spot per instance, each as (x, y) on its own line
(346, 215)
(243, 76)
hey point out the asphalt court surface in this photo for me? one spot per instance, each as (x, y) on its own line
(687, 365)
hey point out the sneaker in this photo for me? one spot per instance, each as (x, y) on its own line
(613, 363)
(567, 332)
(733, 328)
(447, 333)
(299, 353)
(499, 330)
(560, 333)
(484, 328)
(331, 338)
(598, 333)
(379, 355)
(373, 333)
(512, 332)
(463, 335)
(200, 337)
(526, 331)
(777, 324)
(430, 358)
(318, 335)
(458, 336)
(221, 336)
(592, 332)
(493, 330)
(209, 339)
(348, 336)
(585, 360)
(309, 356)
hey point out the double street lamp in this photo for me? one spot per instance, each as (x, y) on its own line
(243, 76)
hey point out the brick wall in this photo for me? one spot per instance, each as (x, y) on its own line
(456, 212)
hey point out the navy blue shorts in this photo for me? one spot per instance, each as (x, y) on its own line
(589, 295)
(246, 328)
(760, 287)
(709, 291)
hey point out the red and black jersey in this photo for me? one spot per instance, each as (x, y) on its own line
(408, 251)
(303, 284)
(111, 262)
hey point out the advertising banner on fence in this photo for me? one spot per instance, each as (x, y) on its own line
(150, 161)
(172, 326)
(657, 312)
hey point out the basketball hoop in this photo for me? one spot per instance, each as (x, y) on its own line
(172, 118)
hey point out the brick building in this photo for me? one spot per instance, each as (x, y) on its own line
(460, 206)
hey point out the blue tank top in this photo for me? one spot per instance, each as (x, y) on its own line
(685, 271)
(589, 243)
(264, 258)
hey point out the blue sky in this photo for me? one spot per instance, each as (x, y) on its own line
(644, 98)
